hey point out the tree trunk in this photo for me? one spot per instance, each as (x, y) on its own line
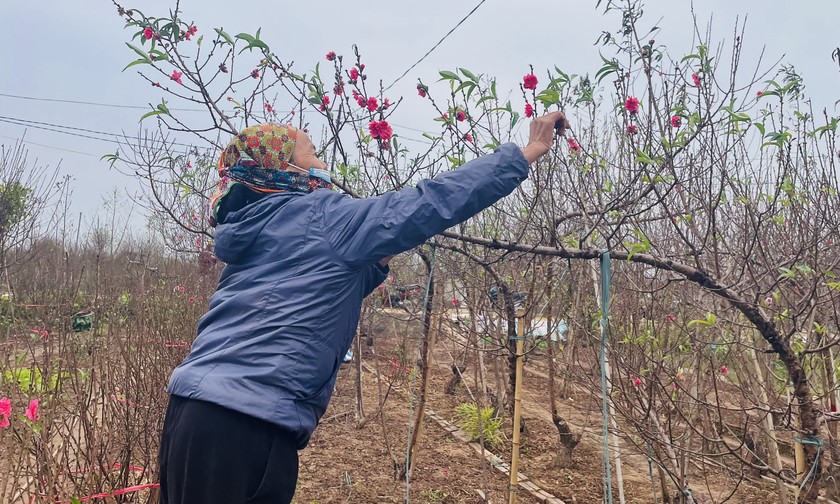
(452, 384)
(479, 350)
(423, 365)
(568, 441)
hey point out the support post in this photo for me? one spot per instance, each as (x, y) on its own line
(517, 409)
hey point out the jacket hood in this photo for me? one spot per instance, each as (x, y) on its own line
(241, 228)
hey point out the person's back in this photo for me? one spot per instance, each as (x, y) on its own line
(283, 316)
(300, 260)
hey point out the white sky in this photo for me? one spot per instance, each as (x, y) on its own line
(75, 51)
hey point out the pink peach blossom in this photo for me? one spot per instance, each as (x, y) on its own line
(32, 411)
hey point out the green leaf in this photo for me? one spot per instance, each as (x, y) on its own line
(160, 109)
(549, 97)
(787, 272)
(447, 75)
(610, 66)
(563, 77)
(635, 248)
(27, 380)
(139, 52)
(709, 321)
(198, 42)
(169, 29)
(514, 118)
(252, 41)
(829, 127)
(150, 114)
(185, 189)
(111, 158)
(464, 85)
(471, 76)
(224, 35)
(246, 37)
(159, 55)
(642, 157)
(737, 116)
(483, 99)
(137, 62)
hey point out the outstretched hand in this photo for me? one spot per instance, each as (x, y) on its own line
(543, 130)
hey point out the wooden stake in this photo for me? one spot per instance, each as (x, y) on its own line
(770, 431)
(517, 409)
(799, 454)
(424, 394)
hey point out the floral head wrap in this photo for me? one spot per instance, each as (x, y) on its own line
(259, 157)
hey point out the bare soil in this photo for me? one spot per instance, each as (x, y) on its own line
(348, 464)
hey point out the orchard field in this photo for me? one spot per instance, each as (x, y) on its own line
(670, 270)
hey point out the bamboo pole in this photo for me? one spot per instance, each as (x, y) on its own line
(517, 409)
(770, 431)
(832, 390)
(616, 450)
(798, 450)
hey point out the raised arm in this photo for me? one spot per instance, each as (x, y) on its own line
(363, 231)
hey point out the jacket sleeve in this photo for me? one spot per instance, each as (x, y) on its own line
(374, 275)
(362, 231)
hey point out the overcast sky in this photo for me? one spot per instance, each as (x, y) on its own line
(75, 51)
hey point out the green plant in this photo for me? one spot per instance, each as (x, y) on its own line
(477, 425)
(436, 495)
(30, 381)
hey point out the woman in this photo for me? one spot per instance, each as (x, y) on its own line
(300, 260)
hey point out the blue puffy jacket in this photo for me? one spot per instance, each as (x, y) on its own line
(298, 268)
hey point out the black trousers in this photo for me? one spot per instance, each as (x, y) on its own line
(213, 455)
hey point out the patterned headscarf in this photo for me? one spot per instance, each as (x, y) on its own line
(259, 158)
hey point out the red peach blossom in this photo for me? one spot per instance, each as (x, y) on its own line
(530, 81)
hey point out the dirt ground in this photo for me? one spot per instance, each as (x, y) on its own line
(345, 464)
